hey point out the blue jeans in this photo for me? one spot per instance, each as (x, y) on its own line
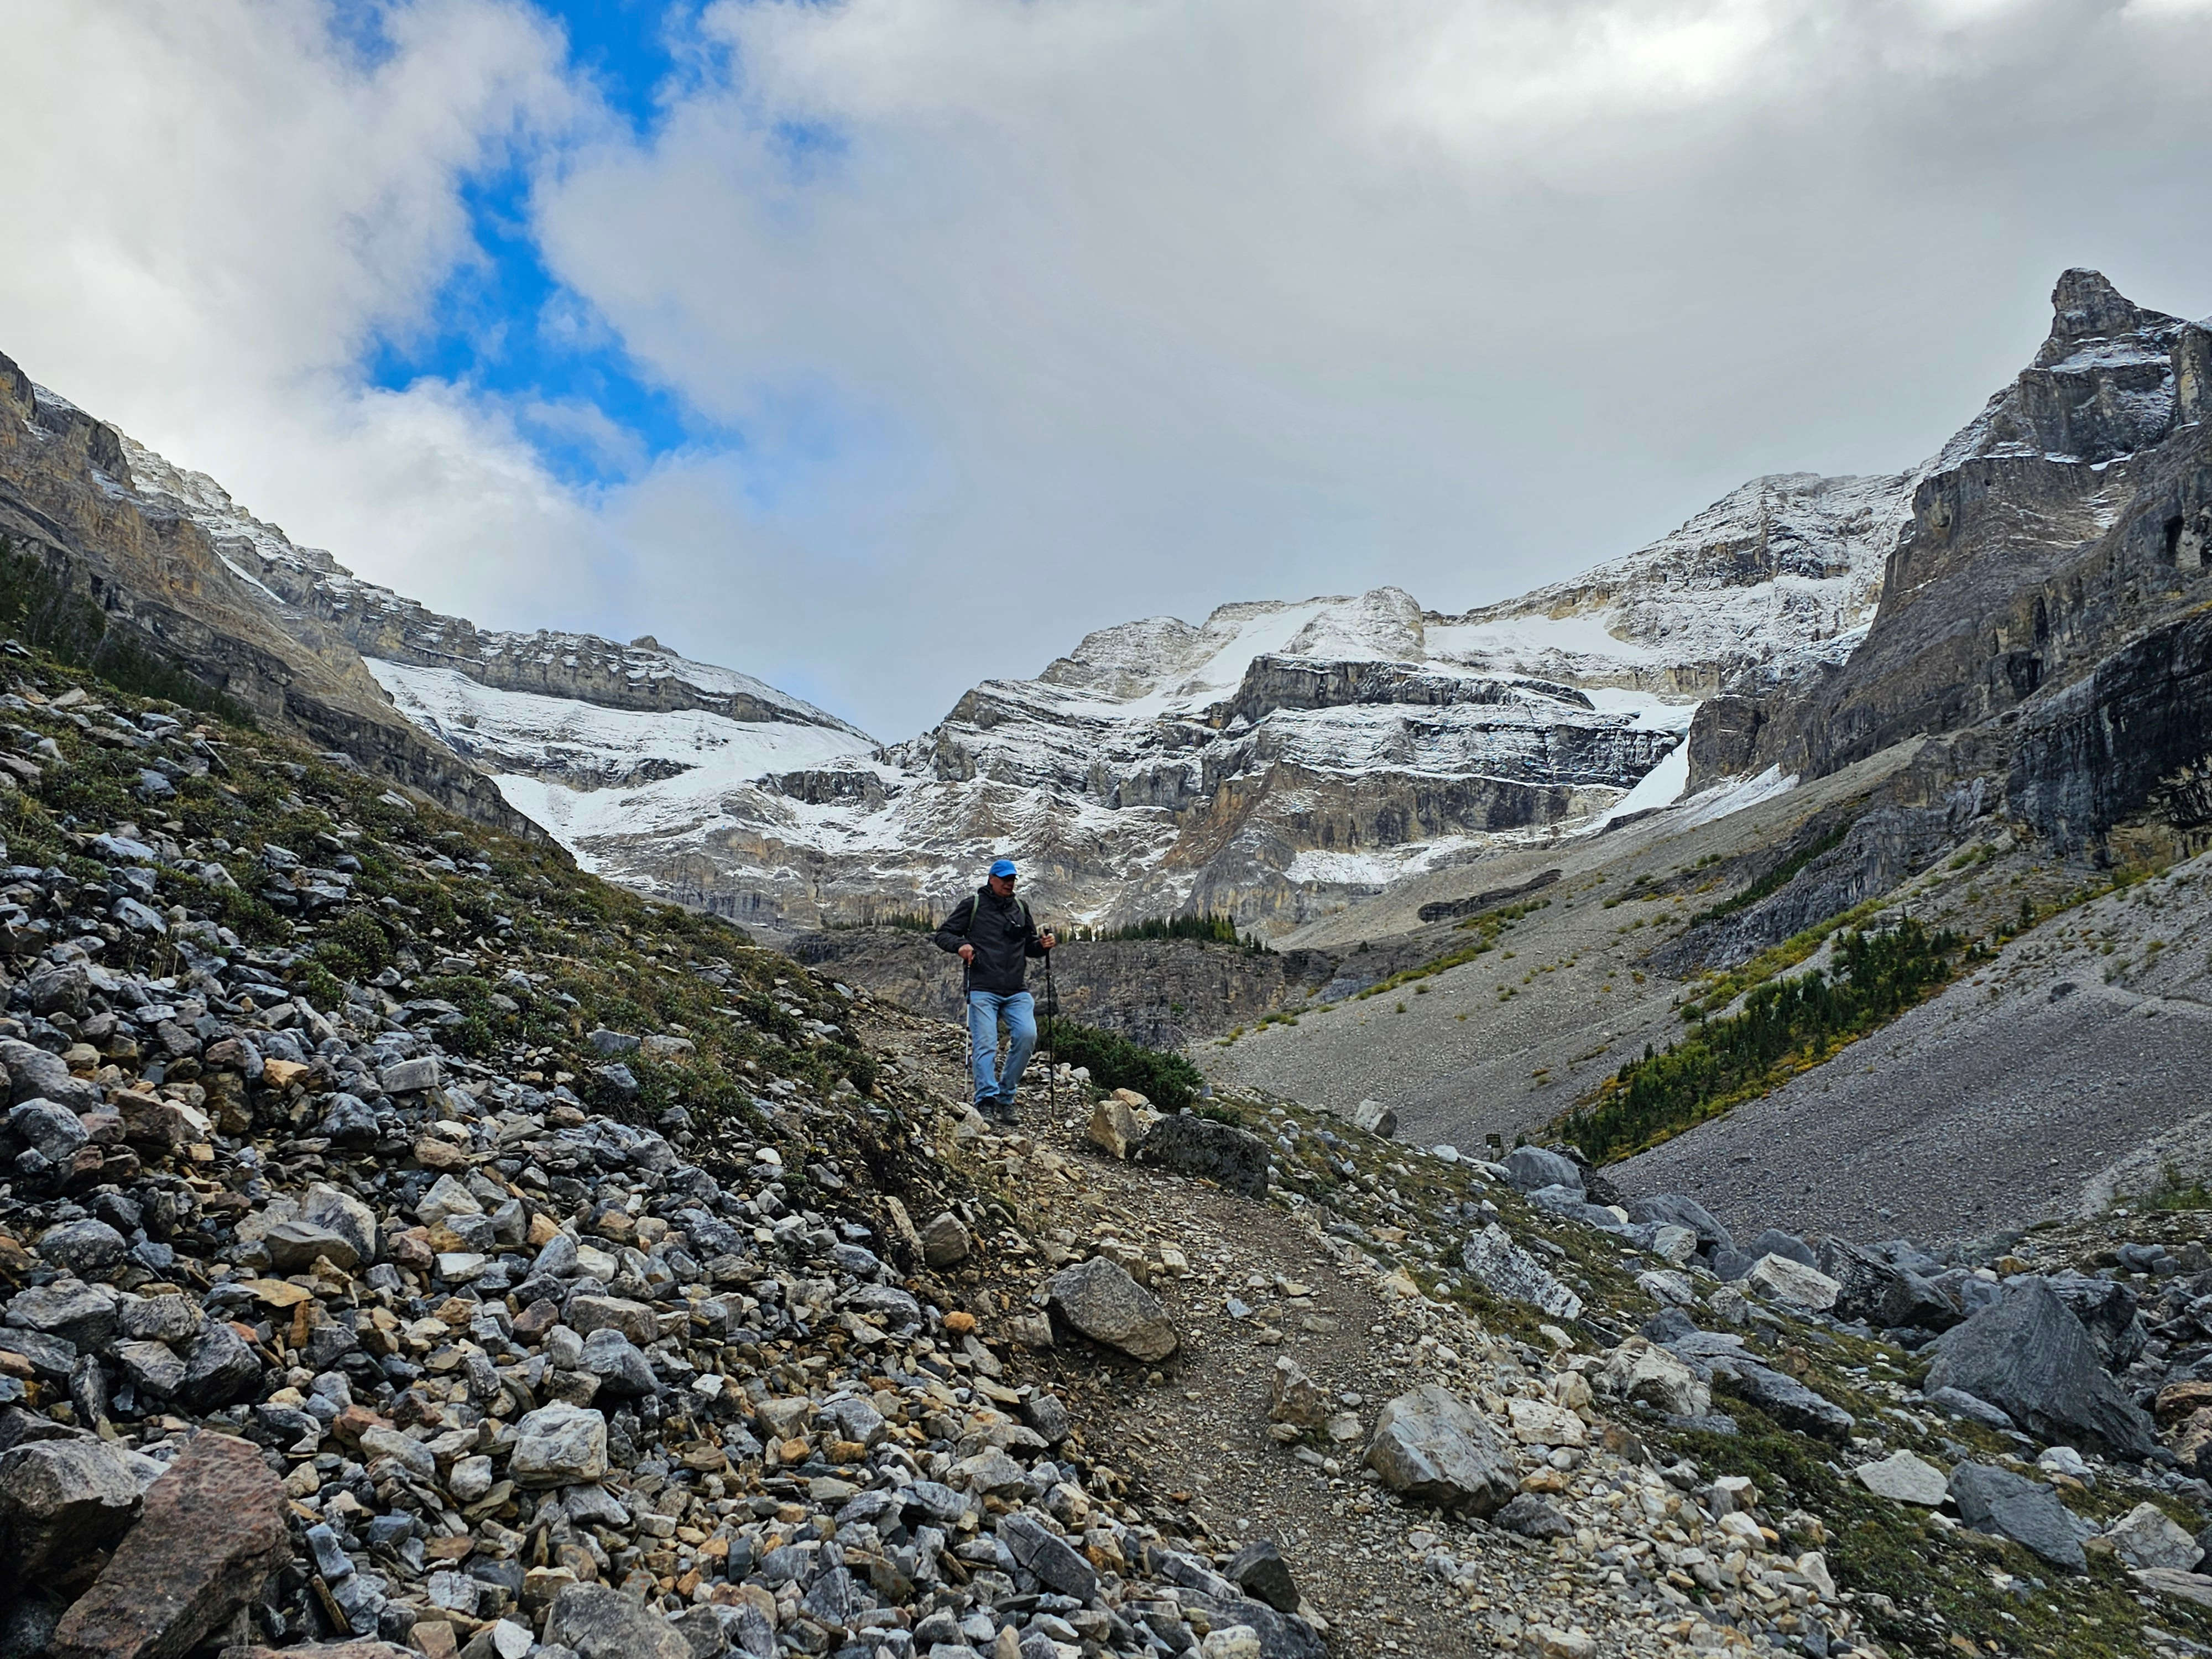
(985, 1010)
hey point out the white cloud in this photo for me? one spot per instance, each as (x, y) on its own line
(224, 203)
(1037, 316)
(1135, 307)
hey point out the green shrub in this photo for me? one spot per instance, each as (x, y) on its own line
(1168, 1080)
(1785, 1027)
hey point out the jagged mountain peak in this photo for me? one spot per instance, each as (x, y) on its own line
(2085, 305)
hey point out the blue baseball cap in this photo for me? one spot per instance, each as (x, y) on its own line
(1002, 868)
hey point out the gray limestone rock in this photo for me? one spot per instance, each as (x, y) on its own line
(1260, 1572)
(1885, 1296)
(599, 1622)
(1532, 1517)
(84, 1315)
(1676, 1209)
(90, 1250)
(1995, 1500)
(1503, 1268)
(59, 1500)
(620, 1368)
(346, 1216)
(1193, 1145)
(219, 1370)
(1433, 1447)
(1531, 1168)
(2029, 1356)
(1904, 1479)
(945, 1242)
(1785, 1399)
(295, 1245)
(1046, 1554)
(49, 1128)
(1973, 1407)
(558, 1445)
(1099, 1299)
(2148, 1537)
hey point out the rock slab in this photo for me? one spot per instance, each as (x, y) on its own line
(1099, 1299)
(1431, 1446)
(210, 1537)
(1906, 1478)
(2029, 1356)
(1995, 1500)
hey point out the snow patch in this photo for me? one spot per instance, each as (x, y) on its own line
(1732, 796)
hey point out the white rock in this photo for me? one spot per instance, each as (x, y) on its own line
(1780, 1280)
(1540, 1422)
(2146, 1536)
(1640, 1370)
(1906, 1478)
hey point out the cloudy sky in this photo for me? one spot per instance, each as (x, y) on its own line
(877, 347)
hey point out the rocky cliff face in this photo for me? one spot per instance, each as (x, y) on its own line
(71, 499)
(2041, 588)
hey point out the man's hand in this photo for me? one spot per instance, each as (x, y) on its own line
(967, 953)
(1047, 940)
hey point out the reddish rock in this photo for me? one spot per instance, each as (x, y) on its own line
(211, 1535)
(326, 1651)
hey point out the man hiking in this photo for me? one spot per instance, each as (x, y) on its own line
(992, 934)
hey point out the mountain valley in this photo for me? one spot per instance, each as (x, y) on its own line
(1702, 1146)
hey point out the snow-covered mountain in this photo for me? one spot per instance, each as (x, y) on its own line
(1272, 761)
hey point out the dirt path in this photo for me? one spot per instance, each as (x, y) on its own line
(1193, 1435)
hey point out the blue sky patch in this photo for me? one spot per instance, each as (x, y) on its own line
(505, 329)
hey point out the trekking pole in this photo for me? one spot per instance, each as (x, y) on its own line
(1051, 1055)
(968, 1027)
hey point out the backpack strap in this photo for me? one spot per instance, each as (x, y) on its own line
(968, 932)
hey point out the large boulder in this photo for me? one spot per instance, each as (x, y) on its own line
(1886, 1296)
(1194, 1145)
(1503, 1268)
(1531, 1168)
(1784, 1278)
(2108, 1311)
(1679, 1210)
(1998, 1501)
(1431, 1446)
(597, 1621)
(1098, 1298)
(211, 1537)
(59, 1501)
(2148, 1537)
(2029, 1356)
(1641, 1371)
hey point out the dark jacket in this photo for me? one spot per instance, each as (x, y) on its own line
(1003, 934)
